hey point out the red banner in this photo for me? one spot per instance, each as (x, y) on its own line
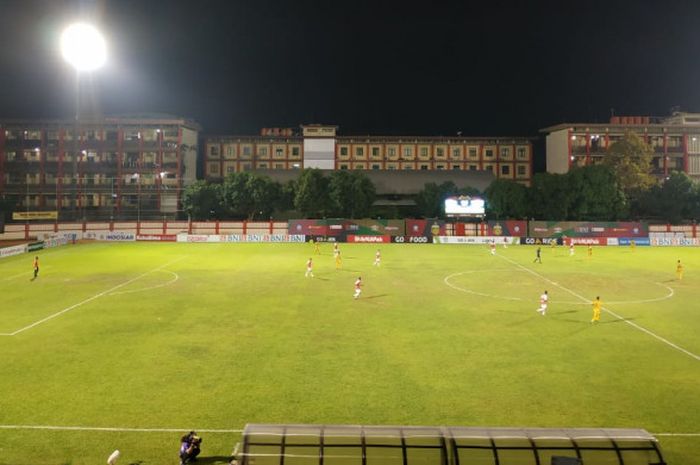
(427, 228)
(587, 240)
(370, 239)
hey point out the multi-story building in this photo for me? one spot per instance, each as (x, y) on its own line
(112, 167)
(319, 146)
(675, 140)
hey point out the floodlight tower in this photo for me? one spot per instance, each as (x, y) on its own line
(85, 49)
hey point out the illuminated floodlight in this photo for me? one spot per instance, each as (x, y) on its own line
(83, 46)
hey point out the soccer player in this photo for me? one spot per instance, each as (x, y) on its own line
(309, 268)
(633, 244)
(338, 260)
(493, 247)
(596, 310)
(35, 265)
(377, 258)
(336, 249)
(538, 257)
(358, 287)
(571, 249)
(679, 271)
(544, 299)
(590, 250)
(553, 243)
(316, 246)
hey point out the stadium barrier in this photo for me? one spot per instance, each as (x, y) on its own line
(483, 240)
(542, 240)
(219, 238)
(14, 250)
(674, 241)
(587, 229)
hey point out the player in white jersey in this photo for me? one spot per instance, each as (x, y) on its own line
(309, 268)
(358, 287)
(493, 247)
(377, 258)
(544, 299)
(571, 249)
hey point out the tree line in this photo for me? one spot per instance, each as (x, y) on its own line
(621, 187)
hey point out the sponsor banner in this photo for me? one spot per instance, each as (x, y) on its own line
(218, 238)
(371, 239)
(588, 240)
(643, 241)
(483, 240)
(612, 241)
(507, 228)
(312, 228)
(156, 237)
(14, 250)
(322, 238)
(55, 242)
(587, 229)
(27, 216)
(542, 240)
(428, 228)
(110, 236)
(411, 239)
(34, 246)
(674, 241)
(375, 227)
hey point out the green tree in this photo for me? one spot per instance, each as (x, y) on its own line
(311, 198)
(250, 195)
(595, 194)
(351, 194)
(675, 200)
(507, 199)
(202, 200)
(630, 160)
(550, 197)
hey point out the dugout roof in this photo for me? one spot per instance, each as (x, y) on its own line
(265, 444)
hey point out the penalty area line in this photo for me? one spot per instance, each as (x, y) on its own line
(619, 317)
(89, 299)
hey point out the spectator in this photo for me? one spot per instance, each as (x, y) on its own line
(189, 448)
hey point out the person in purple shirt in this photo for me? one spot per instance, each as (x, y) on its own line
(189, 447)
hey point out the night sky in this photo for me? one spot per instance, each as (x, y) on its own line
(485, 68)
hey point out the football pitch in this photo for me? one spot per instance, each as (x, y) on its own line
(127, 346)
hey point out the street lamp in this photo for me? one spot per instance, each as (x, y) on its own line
(84, 48)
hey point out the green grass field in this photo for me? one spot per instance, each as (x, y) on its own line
(214, 336)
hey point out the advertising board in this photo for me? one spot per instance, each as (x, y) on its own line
(34, 246)
(507, 228)
(482, 240)
(643, 241)
(110, 236)
(369, 239)
(236, 238)
(14, 250)
(674, 242)
(156, 237)
(541, 240)
(587, 229)
(428, 228)
(411, 239)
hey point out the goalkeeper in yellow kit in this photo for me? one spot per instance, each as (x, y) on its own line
(679, 270)
(597, 304)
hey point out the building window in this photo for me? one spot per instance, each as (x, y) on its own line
(424, 151)
(343, 152)
(522, 152)
(230, 169)
(262, 165)
(279, 152)
(440, 152)
(424, 167)
(375, 151)
(32, 135)
(505, 170)
(229, 150)
(344, 166)
(408, 167)
(456, 152)
(214, 151)
(407, 151)
(246, 150)
(279, 166)
(376, 166)
(439, 166)
(359, 151)
(505, 152)
(295, 151)
(245, 167)
(262, 151)
(456, 167)
(213, 168)
(522, 170)
(488, 153)
(391, 151)
(472, 152)
(473, 168)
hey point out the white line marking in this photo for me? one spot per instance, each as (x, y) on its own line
(90, 299)
(568, 302)
(619, 317)
(690, 435)
(167, 283)
(118, 430)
